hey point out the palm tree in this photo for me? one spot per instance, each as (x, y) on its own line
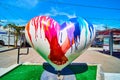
(16, 32)
(106, 27)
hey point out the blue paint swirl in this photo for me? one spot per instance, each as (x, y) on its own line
(77, 31)
(74, 29)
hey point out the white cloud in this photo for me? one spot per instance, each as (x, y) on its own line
(54, 12)
(46, 14)
(99, 26)
(16, 21)
(3, 21)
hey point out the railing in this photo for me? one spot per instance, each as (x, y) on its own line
(19, 53)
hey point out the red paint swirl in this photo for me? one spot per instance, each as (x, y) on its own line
(51, 30)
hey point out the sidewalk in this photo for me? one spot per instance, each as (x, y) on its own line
(109, 63)
(112, 76)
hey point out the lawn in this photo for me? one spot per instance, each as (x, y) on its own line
(34, 72)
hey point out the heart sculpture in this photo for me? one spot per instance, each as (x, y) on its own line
(58, 44)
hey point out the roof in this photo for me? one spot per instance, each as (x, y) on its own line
(107, 32)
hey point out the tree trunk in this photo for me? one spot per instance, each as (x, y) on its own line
(16, 40)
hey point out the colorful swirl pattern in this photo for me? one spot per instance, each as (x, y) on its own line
(57, 43)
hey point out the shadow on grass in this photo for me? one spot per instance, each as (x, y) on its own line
(74, 68)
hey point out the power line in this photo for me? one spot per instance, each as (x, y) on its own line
(7, 7)
(97, 18)
(89, 6)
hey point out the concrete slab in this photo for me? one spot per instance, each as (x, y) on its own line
(112, 76)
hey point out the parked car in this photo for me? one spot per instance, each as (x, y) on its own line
(97, 44)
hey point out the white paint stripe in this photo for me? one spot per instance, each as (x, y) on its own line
(5, 70)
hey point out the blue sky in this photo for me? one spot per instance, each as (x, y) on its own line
(99, 12)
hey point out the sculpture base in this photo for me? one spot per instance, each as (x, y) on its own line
(51, 76)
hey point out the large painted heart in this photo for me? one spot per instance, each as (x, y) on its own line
(58, 44)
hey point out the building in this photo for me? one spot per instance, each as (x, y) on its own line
(111, 39)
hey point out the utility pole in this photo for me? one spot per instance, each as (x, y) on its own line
(111, 43)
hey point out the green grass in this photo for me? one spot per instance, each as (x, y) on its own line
(90, 74)
(33, 72)
(24, 72)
